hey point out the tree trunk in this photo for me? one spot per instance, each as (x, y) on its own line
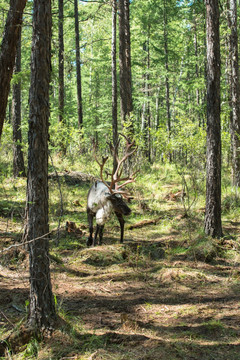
(157, 107)
(235, 93)
(125, 63)
(96, 81)
(165, 22)
(114, 80)
(213, 224)
(146, 117)
(196, 67)
(18, 161)
(60, 62)
(128, 56)
(42, 310)
(78, 67)
(8, 53)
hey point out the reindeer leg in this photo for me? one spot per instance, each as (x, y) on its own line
(100, 234)
(95, 236)
(121, 222)
(90, 223)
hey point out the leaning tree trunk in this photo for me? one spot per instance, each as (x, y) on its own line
(60, 62)
(18, 161)
(78, 67)
(235, 93)
(8, 52)
(213, 224)
(42, 310)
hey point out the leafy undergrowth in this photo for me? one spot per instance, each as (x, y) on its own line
(168, 292)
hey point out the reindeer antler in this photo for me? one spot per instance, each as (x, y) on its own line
(116, 175)
(101, 164)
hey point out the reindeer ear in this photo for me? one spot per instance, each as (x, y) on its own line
(108, 195)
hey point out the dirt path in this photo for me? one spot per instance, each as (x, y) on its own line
(124, 307)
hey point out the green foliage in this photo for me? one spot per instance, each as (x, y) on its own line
(31, 351)
(203, 249)
(154, 23)
(231, 204)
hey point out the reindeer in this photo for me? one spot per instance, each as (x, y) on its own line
(107, 197)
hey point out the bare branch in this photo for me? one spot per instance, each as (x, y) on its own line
(43, 237)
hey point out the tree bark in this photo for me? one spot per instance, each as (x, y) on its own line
(114, 80)
(42, 310)
(146, 117)
(8, 52)
(128, 56)
(235, 93)
(213, 224)
(18, 161)
(196, 66)
(96, 81)
(125, 63)
(167, 91)
(60, 62)
(165, 22)
(78, 67)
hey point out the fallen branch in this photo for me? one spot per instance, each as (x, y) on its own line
(7, 318)
(144, 223)
(43, 237)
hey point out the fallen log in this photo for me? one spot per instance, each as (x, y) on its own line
(144, 223)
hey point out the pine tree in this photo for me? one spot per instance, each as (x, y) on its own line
(42, 309)
(18, 161)
(213, 224)
(8, 52)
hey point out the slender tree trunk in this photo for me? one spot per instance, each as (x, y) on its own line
(18, 161)
(60, 62)
(8, 53)
(78, 67)
(128, 56)
(125, 64)
(96, 82)
(146, 117)
(229, 88)
(157, 108)
(114, 80)
(196, 67)
(42, 310)
(213, 224)
(165, 23)
(122, 60)
(148, 98)
(235, 93)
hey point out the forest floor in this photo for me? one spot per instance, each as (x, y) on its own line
(166, 293)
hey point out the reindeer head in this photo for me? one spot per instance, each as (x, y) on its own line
(119, 205)
(118, 181)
